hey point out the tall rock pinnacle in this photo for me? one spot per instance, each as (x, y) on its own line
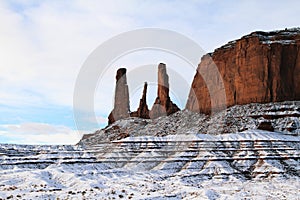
(143, 111)
(163, 104)
(121, 108)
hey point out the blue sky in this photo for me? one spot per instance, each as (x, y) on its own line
(45, 43)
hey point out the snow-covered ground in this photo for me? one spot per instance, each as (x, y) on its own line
(249, 165)
(166, 158)
(88, 182)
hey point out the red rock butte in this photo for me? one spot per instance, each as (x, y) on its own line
(260, 67)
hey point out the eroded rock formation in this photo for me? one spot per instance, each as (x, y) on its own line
(142, 111)
(163, 104)
(260, 67)
(121, 108)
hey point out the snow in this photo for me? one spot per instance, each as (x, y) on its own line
(165, 167)
(245, 135)
(284, 37)
(257, 135)
(284, 42)
(53, 183)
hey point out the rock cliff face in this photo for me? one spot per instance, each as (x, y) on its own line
(121, 108)
(163, 104)
(260, 67)
(142, 111)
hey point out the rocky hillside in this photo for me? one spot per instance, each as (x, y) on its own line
(280, 117)
(260, 67)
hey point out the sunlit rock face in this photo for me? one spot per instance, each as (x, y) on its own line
(258, 68)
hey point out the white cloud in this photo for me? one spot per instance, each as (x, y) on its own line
(40, 133)
(44, 46)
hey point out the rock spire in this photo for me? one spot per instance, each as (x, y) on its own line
(163, 104)
(142, 111)
(121, 108)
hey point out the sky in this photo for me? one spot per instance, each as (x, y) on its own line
(43, 45)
